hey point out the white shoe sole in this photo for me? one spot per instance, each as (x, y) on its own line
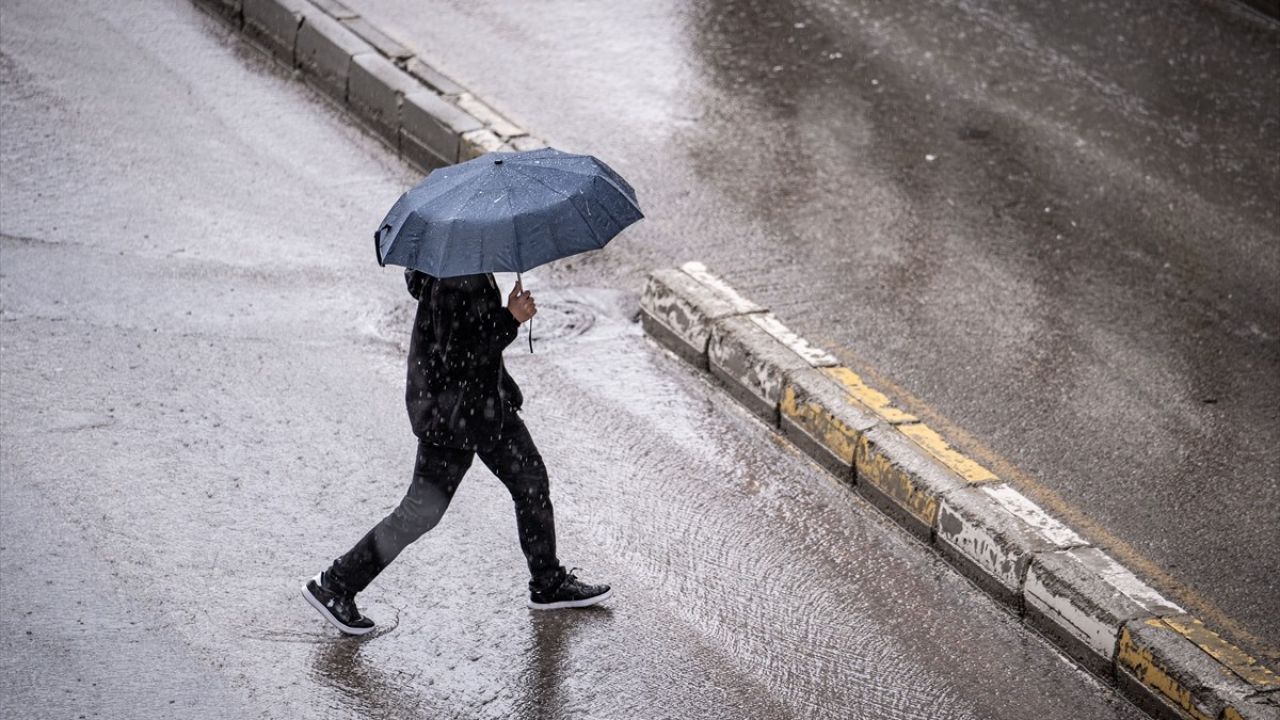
(315, 603)
(585, 602)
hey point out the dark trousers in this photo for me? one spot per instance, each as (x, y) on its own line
(436, 474)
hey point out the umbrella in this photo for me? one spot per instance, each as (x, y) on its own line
(506, 212)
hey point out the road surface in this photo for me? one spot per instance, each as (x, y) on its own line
(201, 374)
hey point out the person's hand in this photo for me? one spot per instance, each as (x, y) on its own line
(520, 303)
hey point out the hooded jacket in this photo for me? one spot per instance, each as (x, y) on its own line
(458, 389)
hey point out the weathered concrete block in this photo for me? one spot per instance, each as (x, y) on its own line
(231, 11)
(433, 78)
(678, 311)
(1080, 598)
(937, 447)
(903, 481)
(335, 9)
(823, 420)
(374, 92)
(435, 128)
(873, 399)
(699, 272)
(273, 24)
(527, 142)
(324, 52)
(1171, 677)
(419, 155)
(752, 364)
(815, 356)
(989, 544)
(475, 143)
(375, 37)
(502, 127)
(1259, 707)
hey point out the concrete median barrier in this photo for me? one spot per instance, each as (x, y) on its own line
(375, 92)
(1172, 677)
(904, 482)
(231, 11)
(324, 51)
(1080, 599)
(823, 420)
(405, 101)
(990, 544)
(477, 142)
(679, 311)
(431, 129)
(752, 364)
(273, 25)
(1093, 608)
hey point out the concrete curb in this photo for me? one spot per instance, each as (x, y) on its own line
(428, 119)
(1096, 610)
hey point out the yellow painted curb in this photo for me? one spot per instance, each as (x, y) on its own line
(819, 421)
(873, 399)
(1224, 652)
(874, 468)
(1143, 665)
(941, 450)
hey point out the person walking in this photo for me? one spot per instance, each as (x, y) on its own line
(461, 403)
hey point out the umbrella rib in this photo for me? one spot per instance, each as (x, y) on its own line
(447, 251)
(612, 217)
(515, 231)
(601, 168)
(594, 234)
(602, 176)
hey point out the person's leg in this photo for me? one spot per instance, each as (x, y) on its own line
(436, 475)
(517, 463)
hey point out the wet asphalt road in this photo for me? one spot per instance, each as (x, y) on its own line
(201, 374)
(1049, 229)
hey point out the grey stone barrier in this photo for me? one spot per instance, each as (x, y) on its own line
(429, 119)
(1097, 611)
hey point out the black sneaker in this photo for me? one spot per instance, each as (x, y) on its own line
(340, 610)
(570, 592)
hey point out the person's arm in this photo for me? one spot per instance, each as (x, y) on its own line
(415, 281)
(467, 314)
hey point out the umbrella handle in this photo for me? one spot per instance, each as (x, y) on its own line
(521, 283)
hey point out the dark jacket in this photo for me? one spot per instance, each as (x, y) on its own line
(458, 388)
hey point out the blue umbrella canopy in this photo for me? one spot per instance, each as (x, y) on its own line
(506, 212)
